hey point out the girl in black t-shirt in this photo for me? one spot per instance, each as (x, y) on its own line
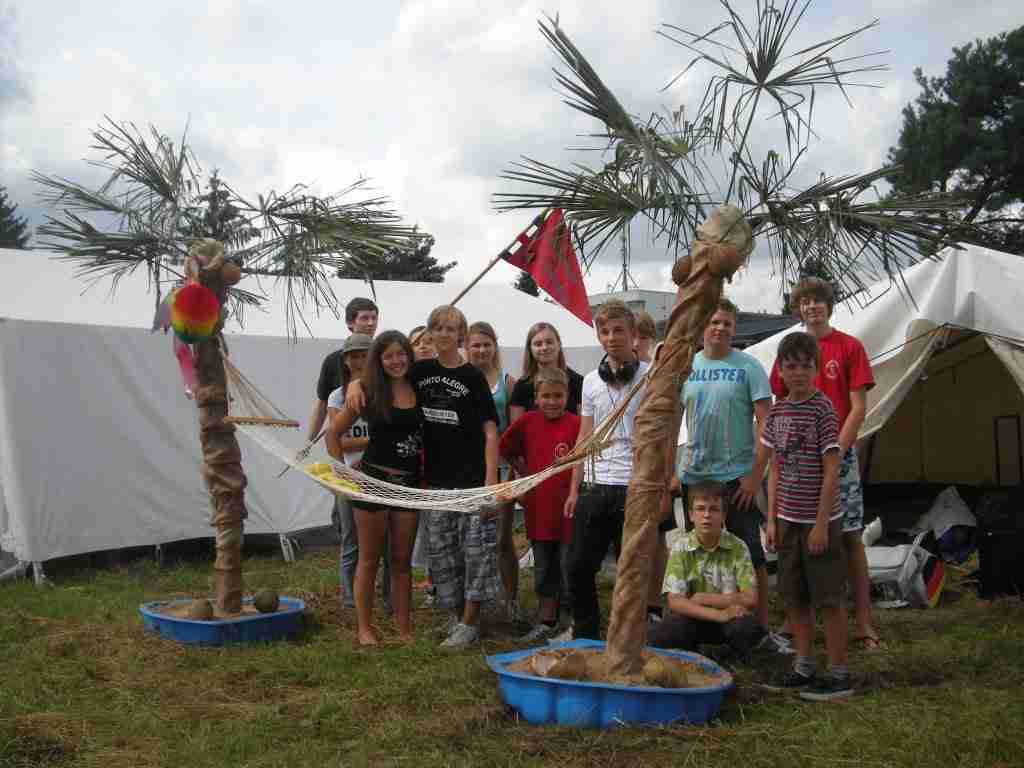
(392, 455)
(543, 350)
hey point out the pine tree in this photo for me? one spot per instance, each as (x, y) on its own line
(526, 284)
(12, 227)
(962, 135)
(414, 265)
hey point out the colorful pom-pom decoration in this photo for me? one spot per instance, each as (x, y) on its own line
(195, 312)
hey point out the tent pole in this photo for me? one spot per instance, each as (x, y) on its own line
(39, 574)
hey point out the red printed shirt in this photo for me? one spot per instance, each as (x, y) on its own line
(801, 434)
(843, 368)
(540, 441)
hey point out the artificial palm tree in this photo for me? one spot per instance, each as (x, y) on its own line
(698, 185)
(152, 214)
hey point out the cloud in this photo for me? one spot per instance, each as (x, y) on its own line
(14, 87)
(432, 99)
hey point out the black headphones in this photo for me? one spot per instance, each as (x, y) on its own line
(624, 375)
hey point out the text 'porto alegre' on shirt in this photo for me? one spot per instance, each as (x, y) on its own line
(456, 403)
(800, 434)
(843, 367)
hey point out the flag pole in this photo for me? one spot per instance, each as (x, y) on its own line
(537, 221)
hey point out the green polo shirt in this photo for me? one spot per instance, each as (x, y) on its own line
(724, 570)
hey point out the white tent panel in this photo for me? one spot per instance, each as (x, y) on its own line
(99, 447)
(44, 289)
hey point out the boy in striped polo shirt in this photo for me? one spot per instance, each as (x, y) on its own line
(805, 520)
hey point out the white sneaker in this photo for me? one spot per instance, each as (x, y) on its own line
(776, 642)
(563, 637)
(463, 636)
(537, 634)
(446, 629)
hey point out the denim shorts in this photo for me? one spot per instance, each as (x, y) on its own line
(851, 495)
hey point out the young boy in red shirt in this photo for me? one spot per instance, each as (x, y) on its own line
(531, 444)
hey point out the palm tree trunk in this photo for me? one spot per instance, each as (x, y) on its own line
(222, 460)
(699, 277)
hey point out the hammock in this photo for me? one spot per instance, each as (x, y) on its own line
(261, 422)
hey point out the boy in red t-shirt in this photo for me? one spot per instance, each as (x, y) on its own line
(844, 375)
(532, 443)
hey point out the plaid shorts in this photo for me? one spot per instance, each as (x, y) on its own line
(463, 557)
(851, 496)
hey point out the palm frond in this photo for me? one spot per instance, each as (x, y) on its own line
(767, 71)
(841, 220)
(857, 240)
(654, 168)
(151, 209)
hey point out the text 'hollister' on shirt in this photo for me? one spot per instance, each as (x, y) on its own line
(800, 434)
(718, 399)
(614, 465)
(456, 403)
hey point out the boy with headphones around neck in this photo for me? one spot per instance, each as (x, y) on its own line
(597, 504)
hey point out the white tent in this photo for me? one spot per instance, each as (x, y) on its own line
(99, 446)
(949, 370)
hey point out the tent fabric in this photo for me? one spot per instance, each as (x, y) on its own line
(947, 357)
(99, 446)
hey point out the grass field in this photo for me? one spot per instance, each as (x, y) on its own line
(81, 685)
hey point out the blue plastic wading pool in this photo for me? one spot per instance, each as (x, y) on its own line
(542, 700)
(249, 628)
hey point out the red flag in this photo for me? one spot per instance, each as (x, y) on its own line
(549, 257)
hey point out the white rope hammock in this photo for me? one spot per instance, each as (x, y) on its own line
(262, 419)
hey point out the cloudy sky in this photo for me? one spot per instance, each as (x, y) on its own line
(431, 99)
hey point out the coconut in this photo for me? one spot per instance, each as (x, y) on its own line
(230, 273)
(571, 667)
(266, 601)
(200, 610)
(666, 672)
